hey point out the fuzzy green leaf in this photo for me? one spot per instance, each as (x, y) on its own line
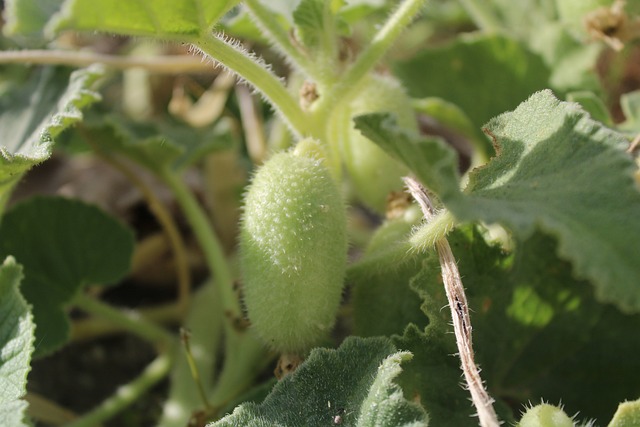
(383, 303)
(484, 75)
(556, 170)
(354, 382)
(627, 415)
(16, 345)
(63, 245)
(538, 333)
(34, 114)
(163, 144)
(566, 174)
(309, 19)
(167, 19)
(434, 374)
(433, 162)
(28, 17)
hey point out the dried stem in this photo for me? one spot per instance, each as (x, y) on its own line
(459, 313)
(170, 64)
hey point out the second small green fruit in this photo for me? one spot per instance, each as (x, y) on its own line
(373, 172)
(293, 250)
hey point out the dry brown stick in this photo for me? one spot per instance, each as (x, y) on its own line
(459, 313)
(168, 64)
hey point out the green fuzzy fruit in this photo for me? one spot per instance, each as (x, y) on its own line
(545, 415)
(293, 250)
(373, 172)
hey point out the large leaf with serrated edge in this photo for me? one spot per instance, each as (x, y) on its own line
(556, 170)
(158, 145)
(32, 115)
(562, 172)
(63, 245)
(169, 19)
(351, 386)
(16, 345)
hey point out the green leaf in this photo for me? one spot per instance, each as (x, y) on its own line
(16, 345)
(627, 415)
(309, 18)
(168, 19)
(36, 113)
(63, 245)
(560, 171)
(434, 374)
(447, 114)
(570, 61)
(383, 303)
(557, 170)
(354, 382)
(28, 17)
(538, 333)
(482, 74)
(434, 163)
(630, 103)
(593, 105)
(158, 145)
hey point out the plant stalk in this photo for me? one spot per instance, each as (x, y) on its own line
(127, 394)
(209, 242)
(266, 20)
(166, 221)
(459, 313)
(129, 320)
(258, 74)
(347, 87)
(174, 64)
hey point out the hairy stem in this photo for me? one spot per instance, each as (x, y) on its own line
(129, 320)
(266, 20)
(127, 394)
(260, 77)
(459, 313)
(347, 87)
(175, 64)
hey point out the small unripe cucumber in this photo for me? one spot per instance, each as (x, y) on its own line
(545, 415)
(293, 250)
